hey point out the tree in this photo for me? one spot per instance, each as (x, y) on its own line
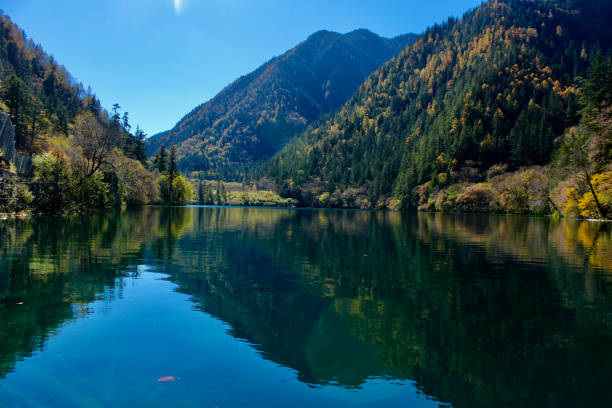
(49, 84)
(160, 162)
(201, 192)
(172, 163)
(576, 155)
(139, 187)
(172, 172)
(93, 104)
(52, 183)
(598, 88)
(18, 99)
(116, 116)
(176, 190)
(602, 184)
(223, 193)
(125, 122)
(586, 149)
(96, 141)
(140, 153)
(88, 190)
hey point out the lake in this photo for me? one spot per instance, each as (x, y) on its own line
(245, 307)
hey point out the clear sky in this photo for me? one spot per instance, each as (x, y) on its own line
(161, 58)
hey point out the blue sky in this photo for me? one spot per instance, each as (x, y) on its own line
(161, 58)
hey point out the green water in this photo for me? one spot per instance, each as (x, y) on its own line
(290, 308)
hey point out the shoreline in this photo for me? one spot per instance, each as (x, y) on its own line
(7, 216)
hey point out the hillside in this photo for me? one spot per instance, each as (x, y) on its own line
(60, 151)
(257, 114)
(40, 95)
(493, 91)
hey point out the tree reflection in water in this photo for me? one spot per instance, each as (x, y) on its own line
(477, 310)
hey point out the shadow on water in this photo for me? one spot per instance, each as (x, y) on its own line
(476, 310)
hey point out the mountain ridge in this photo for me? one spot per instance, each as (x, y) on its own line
(496, 87)
(290, 91)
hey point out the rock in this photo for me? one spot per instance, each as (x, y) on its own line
(22, 163)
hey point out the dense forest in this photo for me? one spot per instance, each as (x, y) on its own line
(484, 113)
(63, 151)
(257, 114)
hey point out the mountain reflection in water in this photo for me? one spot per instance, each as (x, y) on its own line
(476, 311)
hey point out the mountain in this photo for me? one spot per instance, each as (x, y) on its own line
(492, 90)
(257, 114)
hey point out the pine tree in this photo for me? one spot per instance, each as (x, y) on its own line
(161, 160)
(201, 193)
(116, 117)
(210, 200)
(223, 194)
(125, 122)
(18, 100)
(172, 163)
(140, 152)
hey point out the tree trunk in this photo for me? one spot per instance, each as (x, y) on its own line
(602, 212)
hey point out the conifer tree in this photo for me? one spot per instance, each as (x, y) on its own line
(201, 193)
(161, 160)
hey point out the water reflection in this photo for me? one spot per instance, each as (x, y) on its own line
(479, 311)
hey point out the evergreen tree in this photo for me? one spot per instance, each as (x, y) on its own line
(115, 111)
(172, 163)
(125, 122)
(18, 100)
(201, 192)
(140, 152)
(210, 200)
(223, 193)
(598, 88)
(160, 162)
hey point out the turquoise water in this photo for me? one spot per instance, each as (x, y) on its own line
(277, 308)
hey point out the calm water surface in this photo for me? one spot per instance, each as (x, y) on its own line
(284, 308)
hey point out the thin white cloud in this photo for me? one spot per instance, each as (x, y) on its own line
(178, 6)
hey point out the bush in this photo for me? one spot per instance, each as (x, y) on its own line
(52, 183)
(477, 198)
(446, 200)
(14, 196)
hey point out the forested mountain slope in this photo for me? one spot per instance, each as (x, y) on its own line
(257, 114)
(72, 154)
(497, 87)
(40, 95)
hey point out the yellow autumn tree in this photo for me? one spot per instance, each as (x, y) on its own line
(602, 184)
